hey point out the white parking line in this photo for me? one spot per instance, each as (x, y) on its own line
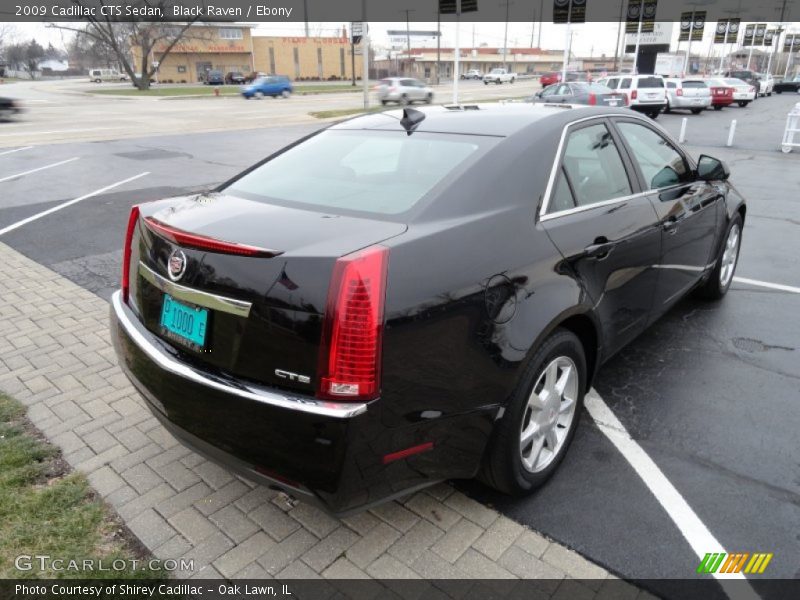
(15, 150)
(63, 162)
(767, 284)
(68, 203)
(689, 524)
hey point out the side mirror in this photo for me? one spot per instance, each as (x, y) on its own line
(712, 169)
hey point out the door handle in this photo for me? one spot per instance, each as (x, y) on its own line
(600, 249)
(671, 225)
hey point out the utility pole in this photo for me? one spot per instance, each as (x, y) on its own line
(408, 12)
(457, 53)
(507, 4)
(567, 43)
(619, 34)
(365, 53)
(533, 26)
(541, 21)
(305, 14)
(438, 42)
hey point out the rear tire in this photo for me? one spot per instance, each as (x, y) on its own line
(404, 100)
(549, 418)
(697, 111)
(718, 107)
(286, 93)
(743, 103)
(667, 109)
(653, 114)
(719, 282)
(429, 99)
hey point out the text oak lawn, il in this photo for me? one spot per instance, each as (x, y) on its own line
(149, 591)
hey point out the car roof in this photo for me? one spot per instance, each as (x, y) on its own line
(500, 120)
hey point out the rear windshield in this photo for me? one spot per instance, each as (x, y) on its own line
(379, 172)
(694, 84)
(735, 82)
(742, 74)
(650, 82)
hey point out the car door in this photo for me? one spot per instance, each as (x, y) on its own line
(606, 231)
(689, 211)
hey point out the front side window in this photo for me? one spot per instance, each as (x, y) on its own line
(593, 166)
(660, 163)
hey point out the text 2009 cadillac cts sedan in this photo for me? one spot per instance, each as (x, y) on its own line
(415, 295)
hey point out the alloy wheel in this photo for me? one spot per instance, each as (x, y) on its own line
(729, 256)
(549, 414)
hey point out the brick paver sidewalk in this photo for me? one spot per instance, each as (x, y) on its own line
(56, 357)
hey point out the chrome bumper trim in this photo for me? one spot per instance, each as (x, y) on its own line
(142, 338)
(240, 308)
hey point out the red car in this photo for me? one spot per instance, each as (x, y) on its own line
(549, 79)
(721, 96)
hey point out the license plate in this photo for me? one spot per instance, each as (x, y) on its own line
(613, 103)
(184, 324)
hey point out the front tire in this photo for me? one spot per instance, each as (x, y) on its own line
(428, 98)
(718, 107)
(286, 93)
(743, 103)
(532, 437)
(719, 282)
(697, 111)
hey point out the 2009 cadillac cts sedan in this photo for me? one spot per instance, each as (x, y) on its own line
(415, 295)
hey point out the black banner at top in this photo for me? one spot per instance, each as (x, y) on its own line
(342, 11)
(727, 31)
(572, 11)
(693, 25)
(644, 9)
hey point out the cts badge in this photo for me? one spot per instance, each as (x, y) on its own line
(292, 376)
(176, 265)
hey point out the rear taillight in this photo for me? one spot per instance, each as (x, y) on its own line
(634, 94)
(592, 99)
(679, 92)
(352, 336)
(202, 242)
(752, 89)
(133, 220)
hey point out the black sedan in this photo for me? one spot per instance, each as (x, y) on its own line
(419, 295)
(787, 85)
(580, 92)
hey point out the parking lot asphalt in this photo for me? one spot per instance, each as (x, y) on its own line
(710, 392)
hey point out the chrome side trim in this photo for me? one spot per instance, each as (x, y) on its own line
(240, 308)
(543, 214)
(147, 344)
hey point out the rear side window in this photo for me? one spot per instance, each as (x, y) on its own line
(650, 82)
(625, 83)
(593, 166)
(660, 163)
(612, 83)
(379, 172)
(671, 85)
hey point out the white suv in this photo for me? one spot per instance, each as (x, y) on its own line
(646, 93)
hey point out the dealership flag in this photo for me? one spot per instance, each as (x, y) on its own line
(646, 9)
(693, 23)
(569, 11)
(727, 31)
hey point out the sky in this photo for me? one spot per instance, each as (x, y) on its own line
(589, 39)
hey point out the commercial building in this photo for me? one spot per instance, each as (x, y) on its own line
(235, 48)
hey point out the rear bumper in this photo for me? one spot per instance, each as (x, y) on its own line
(328, 454)
(684, 102)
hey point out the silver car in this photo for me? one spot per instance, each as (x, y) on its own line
(403, 90)
(688, 94)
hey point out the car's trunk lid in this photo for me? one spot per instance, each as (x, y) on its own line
(264, 310)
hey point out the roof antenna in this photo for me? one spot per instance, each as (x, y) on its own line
(411, 118)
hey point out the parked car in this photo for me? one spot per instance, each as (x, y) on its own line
(766, 84)
(579, 92)
(214, 78)
(743, 92)
(555, 77)
(103, 75)
(403, 90)
(687, 94)
(325, 324)
(235, 78)
(645, 93)
(472, 74)
(272, 85)
(788, 85)
(8, 109)
(499, 76)
(721, 94)
(252, 76)
(749, 77)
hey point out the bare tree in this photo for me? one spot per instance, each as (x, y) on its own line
(149, 39)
